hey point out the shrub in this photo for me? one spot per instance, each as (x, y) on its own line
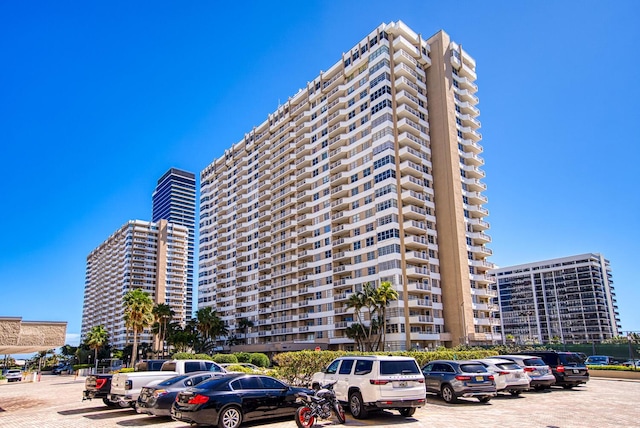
(225, 358)
(238, 368)
(202, 357)
(243, 357)
(260, 360)
(297, 368)
(615, 368)
(183, 356)
(190, 356)
(127, 370)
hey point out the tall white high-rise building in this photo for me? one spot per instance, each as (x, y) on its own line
(140, 255)
(570, 299)
(370, 173)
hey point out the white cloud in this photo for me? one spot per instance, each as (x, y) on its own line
(72, 339)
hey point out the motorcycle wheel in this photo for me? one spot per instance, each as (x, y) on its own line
(339, 411)
(304, 418)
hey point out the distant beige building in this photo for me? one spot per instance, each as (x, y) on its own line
(140, 255)
(370, 173)
(24, 337)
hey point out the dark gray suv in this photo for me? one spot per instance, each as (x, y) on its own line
(453, 379)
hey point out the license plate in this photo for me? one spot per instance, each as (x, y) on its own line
(479, 379)
(576, 371)
(402, 384)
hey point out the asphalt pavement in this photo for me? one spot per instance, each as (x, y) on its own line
(56, 402)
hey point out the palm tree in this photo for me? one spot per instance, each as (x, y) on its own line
(96, 338)
(356, 332)
(244, 324)
(368, 298)
(138, 315)
(163, 314)
(219, 327)
(182, 339)
(356, 301)
(43, 355)
(205, 318)
(384, 294)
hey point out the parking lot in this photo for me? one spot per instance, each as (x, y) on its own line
(56, 401)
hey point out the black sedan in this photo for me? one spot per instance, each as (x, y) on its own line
(235, 398)
(157, 400)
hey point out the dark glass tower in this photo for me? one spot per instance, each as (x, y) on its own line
(174, 200)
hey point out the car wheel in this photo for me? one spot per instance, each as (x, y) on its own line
(448, 395)
(539, 387)
(356, 406)
(407, 411)
(109, 403)
(515, 393)
(484, 399)
(231, 417)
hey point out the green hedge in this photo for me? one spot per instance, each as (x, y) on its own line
(190, 356)
(297, 368)
(615, 368)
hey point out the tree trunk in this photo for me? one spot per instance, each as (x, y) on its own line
(134, 348)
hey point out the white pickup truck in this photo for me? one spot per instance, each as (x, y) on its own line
(125, 387)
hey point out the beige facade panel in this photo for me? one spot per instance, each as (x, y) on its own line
(23, 337)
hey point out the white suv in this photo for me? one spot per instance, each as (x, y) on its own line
(369, 383)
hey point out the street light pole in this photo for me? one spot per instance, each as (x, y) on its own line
(633, 363)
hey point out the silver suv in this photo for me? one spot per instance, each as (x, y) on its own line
(368, 383)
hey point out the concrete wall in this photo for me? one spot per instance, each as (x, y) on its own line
(17, 336)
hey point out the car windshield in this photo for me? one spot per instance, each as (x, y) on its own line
(472, 368)
(399, 367)
(216, 368)
(533, 362)
(570, 359)
(597, 359)
(172, 380)
(508, 366)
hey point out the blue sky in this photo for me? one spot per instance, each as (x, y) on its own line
(99, 99)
